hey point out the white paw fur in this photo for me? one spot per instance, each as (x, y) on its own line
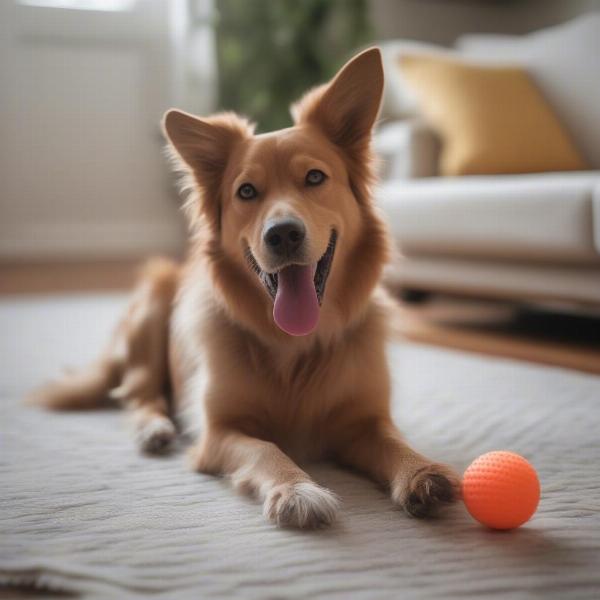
(304, 505)
(155, 434)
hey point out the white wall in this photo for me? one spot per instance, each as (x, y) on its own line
(442, 21)
(82, 172)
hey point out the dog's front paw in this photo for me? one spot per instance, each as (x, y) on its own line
(155, 435)
(304, 505)
(426, 490)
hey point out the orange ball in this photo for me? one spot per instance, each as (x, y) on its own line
(501, 490)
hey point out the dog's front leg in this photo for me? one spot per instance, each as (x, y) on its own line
(418, 485)
(290, 497)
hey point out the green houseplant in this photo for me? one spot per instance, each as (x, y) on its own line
(271, 51)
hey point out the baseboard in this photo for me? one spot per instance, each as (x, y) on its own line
(79, 241)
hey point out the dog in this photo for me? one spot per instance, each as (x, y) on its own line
(276, 322)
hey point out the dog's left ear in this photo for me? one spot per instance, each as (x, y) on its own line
(346, 108)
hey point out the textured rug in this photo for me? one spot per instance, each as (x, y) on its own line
(81, 511)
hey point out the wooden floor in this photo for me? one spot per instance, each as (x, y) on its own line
(493, 328)
(55, 278)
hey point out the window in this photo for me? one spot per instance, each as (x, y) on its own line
(105, 5)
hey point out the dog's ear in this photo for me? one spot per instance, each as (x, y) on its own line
(203, 147)
(345, 109)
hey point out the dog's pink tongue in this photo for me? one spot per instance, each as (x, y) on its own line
(296, 308)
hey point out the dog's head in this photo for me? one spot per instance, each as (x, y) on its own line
(291, 209)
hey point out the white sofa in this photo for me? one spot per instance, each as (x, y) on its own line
(524, 237)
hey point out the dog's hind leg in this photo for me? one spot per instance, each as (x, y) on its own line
(144, 384)
(134, 368)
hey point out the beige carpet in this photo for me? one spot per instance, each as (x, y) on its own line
(81, 511)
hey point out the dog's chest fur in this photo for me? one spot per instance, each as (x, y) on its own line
(293, 393)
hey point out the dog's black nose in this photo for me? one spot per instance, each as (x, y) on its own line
(284, 236)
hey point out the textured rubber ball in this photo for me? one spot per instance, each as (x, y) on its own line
(501, 490)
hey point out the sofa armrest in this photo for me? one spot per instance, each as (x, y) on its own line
(407, 149)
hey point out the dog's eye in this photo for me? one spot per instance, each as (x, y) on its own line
(315, 177)
(247, 191)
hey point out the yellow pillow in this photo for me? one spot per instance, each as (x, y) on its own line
(491, 119)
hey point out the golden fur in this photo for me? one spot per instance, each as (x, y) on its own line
(204, 332)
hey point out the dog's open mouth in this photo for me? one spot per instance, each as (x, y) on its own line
(297, 290)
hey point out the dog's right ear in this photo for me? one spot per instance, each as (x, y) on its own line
(204, 147)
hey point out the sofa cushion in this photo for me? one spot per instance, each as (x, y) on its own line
(492, 119)
(564, 61)
(543, 217)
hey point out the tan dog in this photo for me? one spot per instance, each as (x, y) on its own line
(274, 323)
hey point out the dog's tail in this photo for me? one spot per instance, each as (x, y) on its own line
(82, 389)
(138, 346)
